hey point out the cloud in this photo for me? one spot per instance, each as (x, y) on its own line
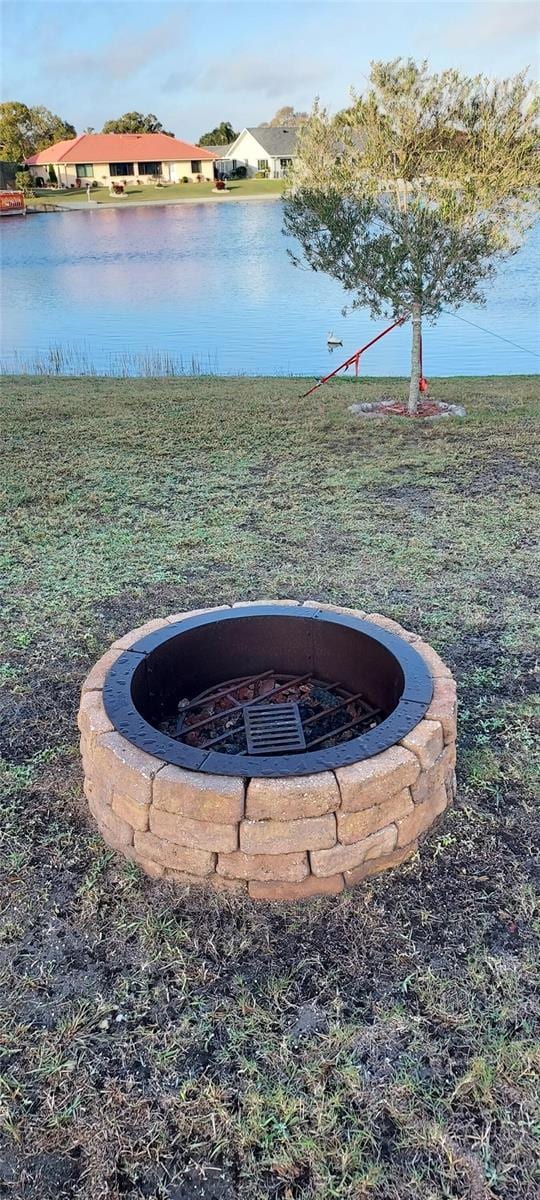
(256, 74)
(124, 56)
(178, 81)
(496, 23)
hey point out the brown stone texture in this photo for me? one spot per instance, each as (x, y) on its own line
(184, 878)
(337, 608)
(203, 797)
(354, 826)
(194, 612)
(377, 779)
(128, 639)
(426, 741)
(92, 718)
(129, 769)
(177, 858)
(443, 707)
(274, 838)
(290, 867)
(391, 626)
(284, 837)
(259, 603)
(132, 811)
(292, 798)
(430, 781)
(95, 680)
(201, 835)
(117, 832)
(435, 664)
(358, 874)
(344, 858)
(98, 791)
(221, 883)
(311, 886)
(422, 817)
(96, 780)
(154, 869)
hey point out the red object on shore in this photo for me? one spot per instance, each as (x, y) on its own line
(422, 383)
(11, 202)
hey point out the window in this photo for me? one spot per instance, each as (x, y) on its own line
(121, 168)
(84, 171)
(150, 168)
(196, 167)
(285, 163)
(262, 164)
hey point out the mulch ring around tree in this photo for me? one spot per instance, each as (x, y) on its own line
(390, 407)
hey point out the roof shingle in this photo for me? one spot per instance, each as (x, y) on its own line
(120, 147)
(275, 140)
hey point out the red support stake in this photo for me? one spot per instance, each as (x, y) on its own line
(422, 383)
(354, 358)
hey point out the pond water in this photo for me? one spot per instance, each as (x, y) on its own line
(210, 287)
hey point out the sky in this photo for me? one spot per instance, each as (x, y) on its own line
(196, 64)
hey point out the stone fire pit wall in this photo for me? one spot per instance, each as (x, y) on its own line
(281, 839)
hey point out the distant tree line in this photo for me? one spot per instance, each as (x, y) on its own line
(287, 118)
(224, 133)
(25, 131)
(135, 122)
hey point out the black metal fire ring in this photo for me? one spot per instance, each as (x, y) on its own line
(126, 719)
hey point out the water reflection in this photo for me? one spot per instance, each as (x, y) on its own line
(215, 283)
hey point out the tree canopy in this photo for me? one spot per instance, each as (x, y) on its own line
(222, 135)
(25, 131)
(411, 195)
(136, 122)
(287, 116)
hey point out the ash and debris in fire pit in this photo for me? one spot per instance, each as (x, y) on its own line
(329, 714)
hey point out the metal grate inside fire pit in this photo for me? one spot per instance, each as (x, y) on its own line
(272, 713)
(274, 729)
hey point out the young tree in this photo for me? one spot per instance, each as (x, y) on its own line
(23, 182)
(413, 194)
(135, 122)
(222, 135)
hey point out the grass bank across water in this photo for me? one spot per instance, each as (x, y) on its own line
(380, 1045)
(172, 193)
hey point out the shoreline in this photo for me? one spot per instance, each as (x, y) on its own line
(95, 205)
(217, 377)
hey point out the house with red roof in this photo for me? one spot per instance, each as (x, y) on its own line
(108, 158)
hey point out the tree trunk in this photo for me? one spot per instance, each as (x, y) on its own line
(414, 390)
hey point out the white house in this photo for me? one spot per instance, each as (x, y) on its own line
(263, 148)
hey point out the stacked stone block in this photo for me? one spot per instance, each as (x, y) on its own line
(279, 839)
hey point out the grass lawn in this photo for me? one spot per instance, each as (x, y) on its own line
(168, 1045)
(173, 191)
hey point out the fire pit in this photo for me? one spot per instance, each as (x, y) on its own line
(290, 749)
